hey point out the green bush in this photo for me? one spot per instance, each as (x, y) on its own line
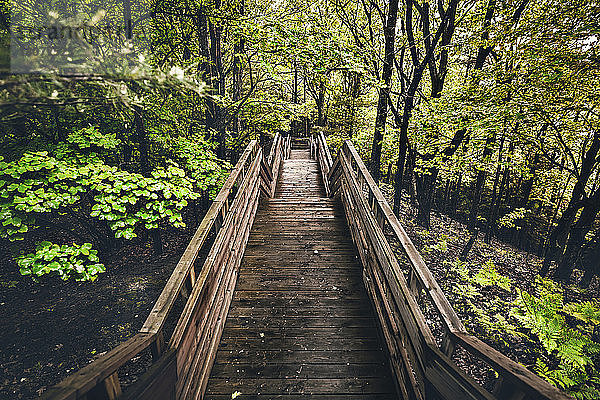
(72, 188)
(570, 356)
(80, 262)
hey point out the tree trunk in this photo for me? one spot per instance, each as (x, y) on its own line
(559, 234)
(237, 72)
(425, 193)
(127, 19)
(568, 260)
(438, 75)
(320, 102)
(493, 211)
(480, 183)
(389, 32)
(465, 251)
(218, 81)
(204, 67)
(456, 196)
(528, 184)
(591, 261)
(142, 140)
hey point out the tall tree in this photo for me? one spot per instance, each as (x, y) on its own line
(445, 29)
(384, 90)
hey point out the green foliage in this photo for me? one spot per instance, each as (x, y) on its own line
(207, 172)
(540, 313)
(38, 184)
(80, 262)
(576, 352)
(91, 137)
(440, 246)
(490, 312)
(489, 276)
(567, 356)
(510, 219)
(588, 312)
(42, 189)
(127, 200)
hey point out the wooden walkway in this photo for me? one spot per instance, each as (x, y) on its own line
(281, 307)
(300, 324)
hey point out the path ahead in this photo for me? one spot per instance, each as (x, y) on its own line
(300, 325)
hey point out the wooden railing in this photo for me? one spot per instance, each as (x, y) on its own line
(320, 152)
(180, 367)
(400, 292)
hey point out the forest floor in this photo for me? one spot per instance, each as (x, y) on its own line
(441, 245)
(53, 328)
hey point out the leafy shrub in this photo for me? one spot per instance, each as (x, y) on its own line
(566, 355)
(38, 184)
(80, 262)
(440, 246)
(91, 137)
(588, 312)
(197, 159)
(467, 294)
(510, 219)
(73, 190)
(489, 276)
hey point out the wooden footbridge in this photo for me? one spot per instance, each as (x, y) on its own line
(301, 297)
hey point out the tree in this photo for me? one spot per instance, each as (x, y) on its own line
(384, 90)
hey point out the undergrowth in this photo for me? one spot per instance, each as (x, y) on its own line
(561, 338)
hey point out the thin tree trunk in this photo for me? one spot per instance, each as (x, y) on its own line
(142, 140)
(480, 184)
(576, 241)
(493, 212)
(591, 261)
(437, 77)
(389, 32)
(219, 82)
(528, 185)
(237, 72)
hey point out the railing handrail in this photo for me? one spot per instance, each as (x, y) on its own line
(420, 278)
(101, 375)
(172, 289)
(432, 288)
(320, 151)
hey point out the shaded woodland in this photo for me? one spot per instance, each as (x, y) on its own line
(482, 113)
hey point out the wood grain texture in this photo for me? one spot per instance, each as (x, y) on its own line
(300, 323)
(302, 297)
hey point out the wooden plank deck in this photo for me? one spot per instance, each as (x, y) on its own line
(300, 324)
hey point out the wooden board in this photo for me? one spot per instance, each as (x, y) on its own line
(300, 322)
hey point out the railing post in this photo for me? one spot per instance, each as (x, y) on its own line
(158, 346)
(108, 389)
(447, 346)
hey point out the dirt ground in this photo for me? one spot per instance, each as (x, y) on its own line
(52, 328)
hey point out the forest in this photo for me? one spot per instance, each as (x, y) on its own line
(121, 120)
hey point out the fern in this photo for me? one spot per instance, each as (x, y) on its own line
(573, 349)
(567, 356)
(460, 270)
(489, 276)
(588, 311)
